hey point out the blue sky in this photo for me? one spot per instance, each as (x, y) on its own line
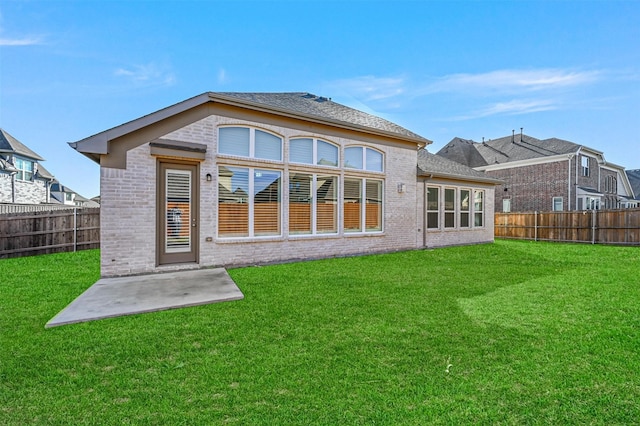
(470, 69)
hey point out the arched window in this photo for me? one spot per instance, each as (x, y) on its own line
(249, 142)
(313, 151)
(362, 158)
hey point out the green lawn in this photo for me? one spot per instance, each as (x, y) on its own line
(506, 333)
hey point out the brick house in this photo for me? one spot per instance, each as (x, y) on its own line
(545, 175)
(226, 179)
(23, 179)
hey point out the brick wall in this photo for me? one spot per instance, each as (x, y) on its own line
(532, 188)
(26, 192)
(455, 236)
(5, 188)
(128, 214)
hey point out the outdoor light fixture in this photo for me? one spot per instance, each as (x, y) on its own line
(402, 187)
(208, 177)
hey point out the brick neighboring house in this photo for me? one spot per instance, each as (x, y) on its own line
(226, 179)
(545, 175)
(23, 179)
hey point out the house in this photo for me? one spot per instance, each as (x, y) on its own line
(61, 194)
(23, 179)
(545, 175)
(225, 179)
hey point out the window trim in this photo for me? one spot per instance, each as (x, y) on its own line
(252, 143)
(314, 205)
(314, 154)
(22, 171)
(364, 150)
(363, 206)
(553, 204)
(436, 211)
(251, 234)
(449, 211)
(482, 211)
(585, 167)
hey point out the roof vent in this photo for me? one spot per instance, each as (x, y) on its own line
(308, 96)
(321, 99)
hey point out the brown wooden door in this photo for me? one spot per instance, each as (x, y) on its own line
(178, 224)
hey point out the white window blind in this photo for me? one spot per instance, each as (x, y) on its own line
(268, 146)
(178, 208)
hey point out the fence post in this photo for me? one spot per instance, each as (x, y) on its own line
(535, 225)
(75, 229)
(593, 226)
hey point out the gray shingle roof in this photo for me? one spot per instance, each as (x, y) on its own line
(323, 108)
(505, 149)
(11, 145)
(438, 166)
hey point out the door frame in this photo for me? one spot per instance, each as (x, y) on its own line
(192, 256)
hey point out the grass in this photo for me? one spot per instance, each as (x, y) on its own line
(507, 333)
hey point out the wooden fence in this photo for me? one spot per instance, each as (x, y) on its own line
(42, 232)
(592, 226)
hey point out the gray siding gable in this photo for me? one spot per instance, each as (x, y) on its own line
(9, 144)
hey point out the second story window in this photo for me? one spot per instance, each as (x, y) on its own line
(585, 166)
(25, 168)
(248, 142)
(313, 151)
(362, 158)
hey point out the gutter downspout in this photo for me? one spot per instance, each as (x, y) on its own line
(570, 156)
(13, 187)
(578, 165)
(424, 210)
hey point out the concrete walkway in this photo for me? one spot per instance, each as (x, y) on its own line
(112, 297)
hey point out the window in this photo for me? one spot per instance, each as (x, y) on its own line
(309, 214)
(433, 207)
(449, 208)
(464, 208)
(68, 196)
(313, 151)
(585, 166)
(25, 168)
(478, 208)
(611, 185)
(558, 204)
(248, 202)
(362, 158)
(248, 142)
(354, 213)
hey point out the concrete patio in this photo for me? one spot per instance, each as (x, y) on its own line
(113, 297)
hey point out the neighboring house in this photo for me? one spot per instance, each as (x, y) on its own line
(634, 180)
(545, 175)
(64, 195)
(23, 180)
(250, 178)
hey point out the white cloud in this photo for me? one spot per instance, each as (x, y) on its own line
(370, 88)
(222, 76)
(515, 107)
(147, 75)
(26, 41)
(511, 80)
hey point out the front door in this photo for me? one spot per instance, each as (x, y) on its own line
(177, 213)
